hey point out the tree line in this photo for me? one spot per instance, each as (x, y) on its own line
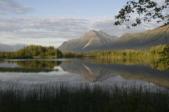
(157, 57)
(31, 52)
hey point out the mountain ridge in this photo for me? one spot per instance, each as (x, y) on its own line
(98, 40)
(10, 48)
(90, 40)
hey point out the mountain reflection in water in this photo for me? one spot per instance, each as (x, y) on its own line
(77, 70)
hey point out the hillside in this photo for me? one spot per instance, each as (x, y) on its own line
(91, 40)
(143, 40)
(94, 40)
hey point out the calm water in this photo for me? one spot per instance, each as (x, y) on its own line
(72, 72)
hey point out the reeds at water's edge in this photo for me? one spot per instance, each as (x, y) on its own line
(83, 99)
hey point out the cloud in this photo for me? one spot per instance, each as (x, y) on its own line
(12, 6)
(54, 31)
(109, 27)
(47, 31)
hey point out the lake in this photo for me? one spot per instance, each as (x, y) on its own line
(28, 74)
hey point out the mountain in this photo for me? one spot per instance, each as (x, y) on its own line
(98, 40)
(5, 47)
(143, 40)
(92, 40)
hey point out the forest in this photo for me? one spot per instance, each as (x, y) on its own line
(32, 52)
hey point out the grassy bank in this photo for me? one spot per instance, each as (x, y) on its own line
(157, 57)
(52, 99)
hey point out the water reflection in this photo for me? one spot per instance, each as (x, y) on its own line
(100, 72)
(77, 70)
(28, 66)
(157, 64)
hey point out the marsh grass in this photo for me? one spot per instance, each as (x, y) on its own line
(83, 99)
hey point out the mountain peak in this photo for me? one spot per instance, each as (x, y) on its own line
(90, 40)
(93, 37)
(91, 33)
(96, 34)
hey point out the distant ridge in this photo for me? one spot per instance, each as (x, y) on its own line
(98, 40)
(143, 40)
(5, 47)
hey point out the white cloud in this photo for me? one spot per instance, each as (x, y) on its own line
(109, 27)
(47, 31)
(55, 30)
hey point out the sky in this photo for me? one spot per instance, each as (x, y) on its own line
(51, 22)
(79, 8)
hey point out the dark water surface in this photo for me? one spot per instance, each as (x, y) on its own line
(73, 72)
